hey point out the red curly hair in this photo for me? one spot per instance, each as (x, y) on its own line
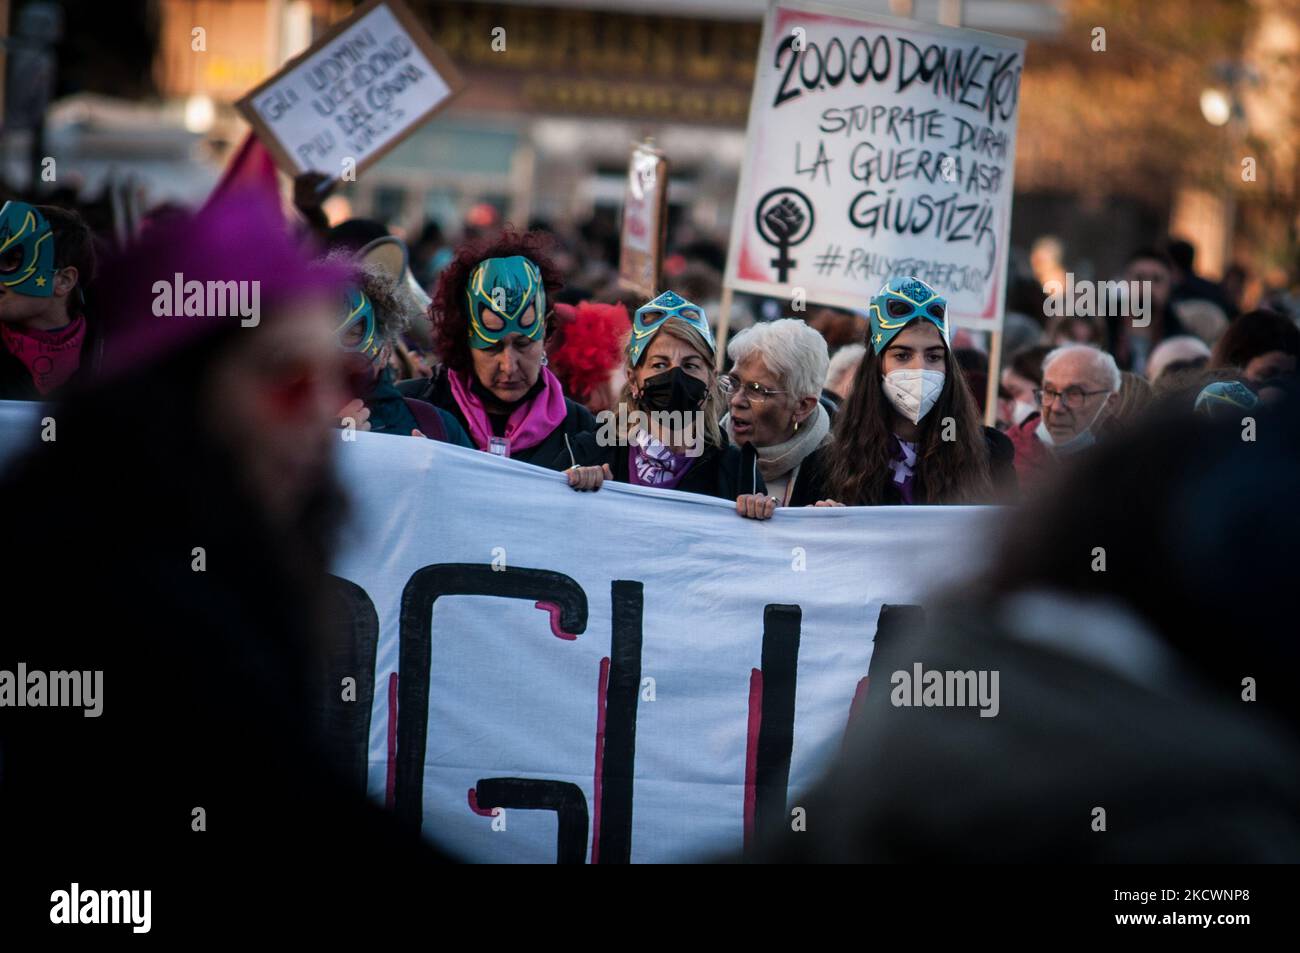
(447, 310)
(587, 345)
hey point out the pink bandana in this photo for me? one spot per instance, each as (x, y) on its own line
(528, 425)
(51, 357)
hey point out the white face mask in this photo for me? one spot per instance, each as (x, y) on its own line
(1021, 411)
(912, 393)
(1080, 441)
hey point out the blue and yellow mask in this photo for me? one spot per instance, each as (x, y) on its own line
(898, 303)
(26, 251)
(360, 311)
(501, 291)
(649, 318)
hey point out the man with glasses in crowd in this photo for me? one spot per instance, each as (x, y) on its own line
(1080, 390)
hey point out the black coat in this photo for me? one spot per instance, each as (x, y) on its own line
(552, 453)
(810, 483)
(725, 472)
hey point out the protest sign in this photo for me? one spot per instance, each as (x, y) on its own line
(357, 92)
(877, 147)
(645, 219)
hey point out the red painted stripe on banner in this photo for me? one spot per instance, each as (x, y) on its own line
(602, 690)
(751, 749)
(554, 611)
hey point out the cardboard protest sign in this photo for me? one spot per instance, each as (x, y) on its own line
(877, 147)
(645, 219)
(356, 93)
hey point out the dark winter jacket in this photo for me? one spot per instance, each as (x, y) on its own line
(725, 472)
(551, 453)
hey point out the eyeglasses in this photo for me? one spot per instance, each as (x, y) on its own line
(754, 392)
(1072, 396)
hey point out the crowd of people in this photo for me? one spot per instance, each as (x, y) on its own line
(225, 435)
(513, 341)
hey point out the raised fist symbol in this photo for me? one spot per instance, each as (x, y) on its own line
(784, 219)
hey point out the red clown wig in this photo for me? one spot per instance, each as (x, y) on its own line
(587, 345)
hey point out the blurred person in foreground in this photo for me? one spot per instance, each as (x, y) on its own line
(1080, 392)
(186, 560)
(1157, 691)
(773, 388)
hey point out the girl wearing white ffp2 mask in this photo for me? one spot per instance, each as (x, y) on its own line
(910, 430)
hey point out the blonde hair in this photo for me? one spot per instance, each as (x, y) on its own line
(714, 402)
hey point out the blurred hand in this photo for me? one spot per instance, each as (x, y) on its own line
(358, 411)
(588, 478)
(309, 191)
(828, 503)
(755, 506)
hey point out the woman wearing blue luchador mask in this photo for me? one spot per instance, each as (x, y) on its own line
(665, 430)
(46, 256)
(910, 430)
(374, 312)
(489, 315)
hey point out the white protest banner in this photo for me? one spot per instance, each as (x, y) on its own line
(877, 147)
(631, 675)
(357, 92)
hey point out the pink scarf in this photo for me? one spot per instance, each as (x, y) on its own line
(51, 357)
(528, 425)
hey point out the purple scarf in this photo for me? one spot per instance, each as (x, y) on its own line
(528, 425)
(650, 463)
(903, 464)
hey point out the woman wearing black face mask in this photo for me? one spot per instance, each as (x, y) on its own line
(665, 431)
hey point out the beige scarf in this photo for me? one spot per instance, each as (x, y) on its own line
(782, 458)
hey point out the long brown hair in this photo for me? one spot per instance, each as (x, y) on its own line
(947, 471)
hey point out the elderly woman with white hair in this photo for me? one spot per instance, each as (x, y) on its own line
(774, 385)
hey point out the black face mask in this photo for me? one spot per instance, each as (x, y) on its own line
(673, 390)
